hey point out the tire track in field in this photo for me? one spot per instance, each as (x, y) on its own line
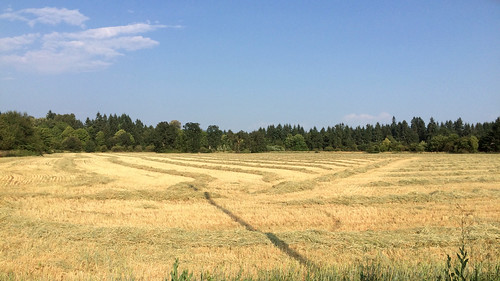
(17, 180)
(7, 180)
(33, 172)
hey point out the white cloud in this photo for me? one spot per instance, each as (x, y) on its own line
(13, 43)
(362, 119)
(49, 62)
(47, 15)
(105, 32)
(58, 52)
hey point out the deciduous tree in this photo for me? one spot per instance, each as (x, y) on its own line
(192, 132)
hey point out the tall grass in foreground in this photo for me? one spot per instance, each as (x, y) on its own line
(452, 270)
(362, 272)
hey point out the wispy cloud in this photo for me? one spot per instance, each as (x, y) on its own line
(17, 42)
(47, 15)
(78, 51)
(105, 32)
(362, 119)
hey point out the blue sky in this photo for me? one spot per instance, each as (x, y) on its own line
(246, 64)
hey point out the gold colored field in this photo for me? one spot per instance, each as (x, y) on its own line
(100, 216)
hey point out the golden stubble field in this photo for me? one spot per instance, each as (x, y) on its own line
(100, 216)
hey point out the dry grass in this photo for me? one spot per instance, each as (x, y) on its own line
(105, 216)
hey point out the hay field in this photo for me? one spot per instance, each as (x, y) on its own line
(105, 216)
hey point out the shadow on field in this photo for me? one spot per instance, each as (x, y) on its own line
(277, 242)
(230, 214)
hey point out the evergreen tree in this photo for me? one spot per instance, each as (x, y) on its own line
(432, 129)
(314, 140)
(378, 134)
(139, 132)
(407, 135)
(50, 115)
(394, 129)
(418, 127)
(491, 141)
(458, 127)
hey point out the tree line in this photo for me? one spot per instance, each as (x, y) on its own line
(63, 132)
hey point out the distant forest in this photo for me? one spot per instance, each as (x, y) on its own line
(21, 134)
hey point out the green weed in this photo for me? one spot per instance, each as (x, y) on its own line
(175, 276)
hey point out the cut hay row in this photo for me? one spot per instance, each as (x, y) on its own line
(293, 157)
(442, 171)
(131, 179)
(266, 176)
(222, 180)
(128, 220)
(141, 213)
(306, 158)
(273, 238)
(326, 162)
(235, 167)
(288, 165)
(439, 173)
(203, 178)
(129, 215)
(309, 184)
(361, 169)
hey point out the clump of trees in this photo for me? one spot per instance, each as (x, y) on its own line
(63, 132)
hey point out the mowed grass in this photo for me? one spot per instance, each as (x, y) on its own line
(130, 215)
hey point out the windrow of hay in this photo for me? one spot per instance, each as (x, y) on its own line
(130, 215)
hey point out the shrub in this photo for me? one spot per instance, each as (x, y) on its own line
(72, 143)
(373, 148)
(275, 148)
(296, 143)
(204, 150)
(18, 153)
(418, 147)
(118, 148)
(90, 146)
